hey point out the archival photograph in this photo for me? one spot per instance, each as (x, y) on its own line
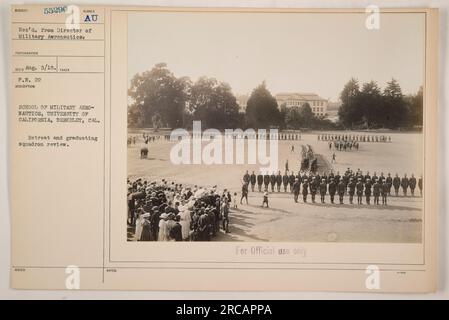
(275, 126)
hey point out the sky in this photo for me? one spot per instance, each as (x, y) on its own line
(291, 52)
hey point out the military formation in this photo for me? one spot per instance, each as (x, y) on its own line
(353, 137)
(364, 187)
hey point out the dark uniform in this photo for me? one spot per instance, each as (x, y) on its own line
(244, 193)
(341, 191)
(246, 177)
(351, 191)
(291, 181)
(376, 191)
(272, 181)
(279, 181)
(305, 190)
(253, 180)
(296, 187)
(404, 185)
(332, 189)
(259, 181)
(285, 181)
(389, 182)
(385, 192)
(345, 180)
(337, 178)
(266, 181)
(367, 178)
(313, 188)
(412, 184)
(396, 185)
(359, 187)
(323, 189)
(368, 191)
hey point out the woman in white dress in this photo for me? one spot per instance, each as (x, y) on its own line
(185, 219)
(163, 236)
(139, 225)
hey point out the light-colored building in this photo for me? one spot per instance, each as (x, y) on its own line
(297, 99)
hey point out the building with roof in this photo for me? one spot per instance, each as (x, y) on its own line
(297, 99)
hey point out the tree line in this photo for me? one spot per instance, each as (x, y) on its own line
(369, 107)
(159, 99)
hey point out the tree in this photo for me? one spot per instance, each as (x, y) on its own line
(370, 103)
(262, 109)
(213, 103)
(415, 108)
(306, 114)
(293, 118)
(395, 112)
(158, 91)
(349, 112)
(373, 108)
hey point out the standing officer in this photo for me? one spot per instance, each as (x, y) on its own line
(341, 188)
(266, 180)
(323, 189)
(389, 182)
(253, 179)
(259, 181)
(272, 181)
(351, 191)
(305, 190)
(368, 191)
(396, 184)
(296, 187)
(374, 178)
(246, 177)
(412, 184)
(291, 180)
(313, 188)
(337, 177)
(385, 191)
(332, 189)
(285, 181)
(345, 180)
(404, 184)
(359, 188)
(279, 181)
(367, 177)
(376, 191)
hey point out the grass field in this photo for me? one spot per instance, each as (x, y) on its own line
(400, 221)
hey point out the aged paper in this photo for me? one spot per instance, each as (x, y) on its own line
(223, 149)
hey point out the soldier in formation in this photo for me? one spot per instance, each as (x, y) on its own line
(350, 183)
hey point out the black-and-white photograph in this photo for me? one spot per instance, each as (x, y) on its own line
(280, 127)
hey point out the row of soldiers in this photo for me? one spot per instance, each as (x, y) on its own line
(354, 137)
(348, 183)
(340, 145)
(267, 136)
